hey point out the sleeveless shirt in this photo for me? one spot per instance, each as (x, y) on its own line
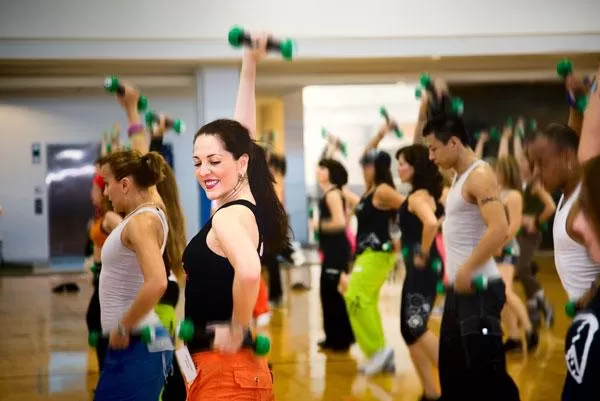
(332, 243)
(463, 228)
(373, 225)
(577, 271)
(121, 277)
(208, 291)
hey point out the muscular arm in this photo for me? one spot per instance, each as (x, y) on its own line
(144, 235)
(338, 218)
(237, 236)
(374, 142)
(482, 187)
(245, 107)
(419, 205)
(589, 143)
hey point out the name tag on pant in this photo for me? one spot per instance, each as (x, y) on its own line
(186, 364)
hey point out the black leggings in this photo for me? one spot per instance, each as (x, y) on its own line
(418, 298)
(472, 364)
(92, 319)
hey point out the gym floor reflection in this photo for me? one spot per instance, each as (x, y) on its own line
(44, 353)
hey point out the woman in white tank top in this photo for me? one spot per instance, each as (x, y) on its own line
(514, 313)
(133, 279)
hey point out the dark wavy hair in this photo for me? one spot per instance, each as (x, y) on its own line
(338, 175)
(382, 163)
(271, 215)
(426, 174)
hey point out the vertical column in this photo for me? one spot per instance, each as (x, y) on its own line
(295, 185)
(216, 92)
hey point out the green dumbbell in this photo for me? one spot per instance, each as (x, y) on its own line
(532, 124)
(418, 92)
(113, 85)
(384, 113)
(495, 134)
(341, 145)
(238, 37)
(479, 284)
(564, 69)
(186, 331)
(436, 265)
(387, 247)
(95, 268)
(458, 106)
(571, 309)
(177, 125)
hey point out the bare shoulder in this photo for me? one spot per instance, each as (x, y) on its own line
(481, 186)
(234, 215)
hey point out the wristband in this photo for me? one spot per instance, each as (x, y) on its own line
(135, 129)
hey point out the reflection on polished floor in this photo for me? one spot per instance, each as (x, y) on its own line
(44, 353)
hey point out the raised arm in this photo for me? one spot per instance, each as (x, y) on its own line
(245, 107)
(589, 143)
(503, 150)
(374, 142)
(480, 145)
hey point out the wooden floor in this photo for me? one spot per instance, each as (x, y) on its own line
(44, 353)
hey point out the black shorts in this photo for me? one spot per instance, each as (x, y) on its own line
(418, 298)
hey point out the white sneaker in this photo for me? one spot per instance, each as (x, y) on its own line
(298, 255)
(379, 361)
(263, 319)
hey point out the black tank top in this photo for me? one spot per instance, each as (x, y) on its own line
(332, 242)
(411, 225)
(208, 290)
(373, 225)
(532, 205)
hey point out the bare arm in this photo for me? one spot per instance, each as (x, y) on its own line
(480, 145)
(352, 200)
(144, 235)
(419, 205)
(237, 236)
(514, 205)
(387, 198)
(374, 142)
(503, 148)
(589, 143)
(337, 222)
(546, 199)
(482, 187)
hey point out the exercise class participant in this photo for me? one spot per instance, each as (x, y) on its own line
(418, 221)
(471, 354)
(222, 261)
(335, 247)
(514, 313)
(375, 258)
(538, 208)
(133, 279)
(553, 154)
(104, 222)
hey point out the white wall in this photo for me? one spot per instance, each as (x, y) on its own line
(71, 120)
(352, 114)
(197, 29)
(205, 19)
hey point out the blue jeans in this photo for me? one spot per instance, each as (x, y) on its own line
(134, 373)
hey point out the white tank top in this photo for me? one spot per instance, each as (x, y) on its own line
(577, 271)
(121, 277)
(462, 229)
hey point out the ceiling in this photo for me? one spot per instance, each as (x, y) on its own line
(276, 77)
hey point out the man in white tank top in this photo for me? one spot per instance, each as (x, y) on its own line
(471, 355)
(553, 154)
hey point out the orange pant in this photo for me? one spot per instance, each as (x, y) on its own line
(241, 377)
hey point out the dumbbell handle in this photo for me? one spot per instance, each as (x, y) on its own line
(272, 44)
(209, 336)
